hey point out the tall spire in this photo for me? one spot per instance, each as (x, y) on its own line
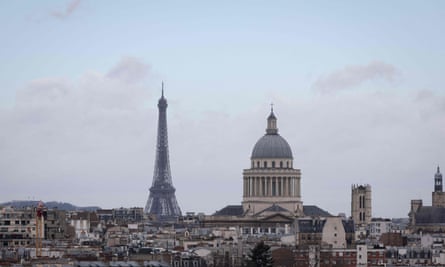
(271, 122)
(438, 187)
(162, 96)
(162, 200)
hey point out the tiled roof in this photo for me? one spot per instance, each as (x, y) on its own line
(310, 226)
(349, 226)
(430, 215)
(230, 210)
(314, 211)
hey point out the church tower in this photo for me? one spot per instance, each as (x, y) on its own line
(438, 194)
(272, 183)
(361, 210)
(162, 200)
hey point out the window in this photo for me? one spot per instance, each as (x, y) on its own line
(281, 164)
(265, 164)
(273, 164)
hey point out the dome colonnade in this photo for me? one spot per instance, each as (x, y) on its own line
(271, 180)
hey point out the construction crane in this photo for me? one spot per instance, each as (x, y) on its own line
(39, 228)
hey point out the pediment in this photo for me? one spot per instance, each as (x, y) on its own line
(278, 217)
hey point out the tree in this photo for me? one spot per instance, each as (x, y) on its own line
(260, 256)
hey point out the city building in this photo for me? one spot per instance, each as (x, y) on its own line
(128, 215)
(361, 210)
(330, 231)
(429, 219)
(162, 201)
(17, 227)
(377, 227)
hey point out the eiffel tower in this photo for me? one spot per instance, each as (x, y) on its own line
(162, 200)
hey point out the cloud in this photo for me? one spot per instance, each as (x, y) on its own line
(355, 75)
(130, 70)
(68, 11)
(92, 141)
(76, 135)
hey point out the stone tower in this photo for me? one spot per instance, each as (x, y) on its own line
(272, 183)
(438, 194)
(162, 200)
(361, 210)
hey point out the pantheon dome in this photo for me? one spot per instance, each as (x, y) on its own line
(271, 184)
(271, 145)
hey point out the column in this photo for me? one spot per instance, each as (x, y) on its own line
(293, 186)
(285, 187)
(282, 186)
(289, 187)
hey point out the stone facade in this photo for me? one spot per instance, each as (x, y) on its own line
(361, 210)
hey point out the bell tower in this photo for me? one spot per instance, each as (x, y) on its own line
(438, 194)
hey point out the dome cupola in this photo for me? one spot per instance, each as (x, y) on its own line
(271, 145)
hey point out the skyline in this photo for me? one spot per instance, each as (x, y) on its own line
(358, 90)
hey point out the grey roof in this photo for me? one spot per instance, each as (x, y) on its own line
(230, 210)
(349, 226)
(312, 210)
(310, 226)
(430, 215)
(271, 146)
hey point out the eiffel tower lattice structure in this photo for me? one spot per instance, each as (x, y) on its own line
(162, 201)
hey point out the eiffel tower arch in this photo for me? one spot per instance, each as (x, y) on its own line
(162, 200)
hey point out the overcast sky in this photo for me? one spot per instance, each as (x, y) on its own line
(358, 90)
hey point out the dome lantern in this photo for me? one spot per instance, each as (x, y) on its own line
(272, 123)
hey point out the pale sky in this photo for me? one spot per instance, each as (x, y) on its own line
(358, 89)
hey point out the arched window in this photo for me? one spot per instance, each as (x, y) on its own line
(257, 164)
(273, 164)
(287, 164)
(265, 164)
(281, 164)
